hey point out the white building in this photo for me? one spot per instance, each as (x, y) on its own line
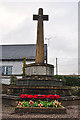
(11, 60)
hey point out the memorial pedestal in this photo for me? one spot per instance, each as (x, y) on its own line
(39, 69)
(38, 80)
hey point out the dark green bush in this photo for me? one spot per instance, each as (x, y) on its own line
(13, 79)
(69, 80)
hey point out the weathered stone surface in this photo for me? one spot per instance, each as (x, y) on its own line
(40, 36)
(37, 83)
(39, 69)
(38, 80)
(41, 110)
(60, 90)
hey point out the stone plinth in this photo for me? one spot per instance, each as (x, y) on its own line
(39, 69)
(38, 80)
(59, 90)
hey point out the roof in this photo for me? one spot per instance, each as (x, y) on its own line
(17, 52)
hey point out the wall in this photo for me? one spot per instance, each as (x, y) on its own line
(16, 69)
(17, 66)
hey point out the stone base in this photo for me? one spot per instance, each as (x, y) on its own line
(38, 80)
(59, 90)
(39, 69)
(41, 110)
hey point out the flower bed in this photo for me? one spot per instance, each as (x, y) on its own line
(39, 104)
(40, 96)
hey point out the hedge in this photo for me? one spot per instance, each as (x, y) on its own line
(69, 80)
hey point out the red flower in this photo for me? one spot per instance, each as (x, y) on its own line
(55, 104)
(31, 102)
(40, 105)
(50, 96)
(23, 96)
(19, 103)
(41, 96)
(35, 96)
(30, 96)
(56, 96)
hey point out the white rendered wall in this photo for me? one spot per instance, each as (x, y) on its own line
(17, 66)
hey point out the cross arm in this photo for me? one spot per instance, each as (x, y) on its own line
(35, 17)
(45, 17)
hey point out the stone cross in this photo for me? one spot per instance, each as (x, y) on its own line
(40, 36)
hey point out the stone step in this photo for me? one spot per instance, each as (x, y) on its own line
(40, 118)
(38, 82)
(39, 90)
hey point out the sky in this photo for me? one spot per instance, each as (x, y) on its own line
(60, 32)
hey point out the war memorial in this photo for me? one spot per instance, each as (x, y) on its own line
(38, 78)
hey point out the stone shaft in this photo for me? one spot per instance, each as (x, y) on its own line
(40, 36)
(40, 42)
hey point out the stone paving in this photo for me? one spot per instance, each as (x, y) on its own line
(72, 113)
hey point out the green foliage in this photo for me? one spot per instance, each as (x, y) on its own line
(72, 81)
(76, 90)
(25, 104)
(38, 103)
(69, 80)
(45, 103)
(13, 79)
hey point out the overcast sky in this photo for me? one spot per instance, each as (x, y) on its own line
(17, 27)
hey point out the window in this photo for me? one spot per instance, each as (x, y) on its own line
(6, 70)
(3, 70)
